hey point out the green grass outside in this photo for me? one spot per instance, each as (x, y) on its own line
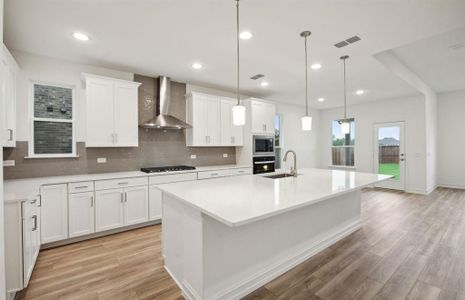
(390, 169)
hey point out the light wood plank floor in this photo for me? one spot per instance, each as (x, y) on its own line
(410, 247)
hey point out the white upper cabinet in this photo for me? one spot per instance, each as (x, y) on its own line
(262, 115)
(8, 73)
(230, 135)
(203, 113)
(211, 120)
(112, 112)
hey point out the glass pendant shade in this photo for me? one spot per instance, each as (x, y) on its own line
(345, 127)
(306, 123)
(238, 115)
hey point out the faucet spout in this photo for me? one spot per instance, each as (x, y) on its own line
(294, 167)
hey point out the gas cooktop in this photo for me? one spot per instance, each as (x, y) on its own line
(167, 169)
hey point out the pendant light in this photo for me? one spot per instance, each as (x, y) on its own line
(345, 123)
(306, 120)
(238, 109)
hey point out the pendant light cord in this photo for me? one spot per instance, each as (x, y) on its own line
(237, 40)
(345, 86)
(306, 78)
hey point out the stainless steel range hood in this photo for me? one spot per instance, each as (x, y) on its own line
(163, 119)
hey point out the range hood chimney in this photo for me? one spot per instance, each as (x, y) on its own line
(163, 119)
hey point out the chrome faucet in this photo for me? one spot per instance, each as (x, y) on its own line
(294, 167)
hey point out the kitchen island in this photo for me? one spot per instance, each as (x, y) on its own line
(223, 238)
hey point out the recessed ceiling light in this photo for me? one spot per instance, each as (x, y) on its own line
(197, 66)
(360, 92)
(316, 66)
(81, 36)
(321, 99)
(245, 35)
(264, 83)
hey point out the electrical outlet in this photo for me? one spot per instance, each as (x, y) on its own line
(225, 155)
(101, 160)
(193, 156)
(8, 163)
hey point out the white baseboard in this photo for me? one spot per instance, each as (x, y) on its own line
(250, 284)
(451, 186)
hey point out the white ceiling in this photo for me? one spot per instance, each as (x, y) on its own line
(155, 37)
(439, 61)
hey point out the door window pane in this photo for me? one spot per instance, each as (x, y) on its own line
(388, 151)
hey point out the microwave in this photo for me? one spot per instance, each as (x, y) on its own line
(263, 145)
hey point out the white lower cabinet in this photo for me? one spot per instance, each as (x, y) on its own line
(109, 209)
(121, 207)
(136, 205)
(155, 198)
(22, 242)
(81, 214)
(54, 213)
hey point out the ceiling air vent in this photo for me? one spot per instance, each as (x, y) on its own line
(258, 76)
(348, 41)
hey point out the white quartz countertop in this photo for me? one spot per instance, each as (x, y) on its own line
(23, 189)
(237, 201)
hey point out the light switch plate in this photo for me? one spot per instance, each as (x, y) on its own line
(193, 156)
(8, 163)
(225, 155)
(101, 160)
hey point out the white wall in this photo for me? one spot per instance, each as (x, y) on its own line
(47, 70)
(2, 218)
(431, 123)
(451, 141)
(304, 143)
(410, 110)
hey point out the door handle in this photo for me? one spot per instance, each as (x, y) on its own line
(91, 201)
(34, 217)
(116, 138)
(125, 196)
(11, 135)
(122, 197)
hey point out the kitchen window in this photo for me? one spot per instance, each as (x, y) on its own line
(342, 150)
(53, 115)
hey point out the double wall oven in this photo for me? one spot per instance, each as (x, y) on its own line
(263, 154)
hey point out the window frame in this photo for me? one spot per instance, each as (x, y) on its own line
(340, 147)
(32, 118)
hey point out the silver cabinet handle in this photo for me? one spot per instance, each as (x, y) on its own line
(34, 217)
(112, 138)
(116, 138)
(91, 201)
(82, 187)
(40, 200)
(123, 183)
(11, 135)
(214, 174)
(125, 196)
(122, 197)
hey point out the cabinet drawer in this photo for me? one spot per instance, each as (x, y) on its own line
(241, 171)
(172, 178)
(213, 174)
(120, 183)
(80, 187)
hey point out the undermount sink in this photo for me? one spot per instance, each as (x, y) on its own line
(282, 175)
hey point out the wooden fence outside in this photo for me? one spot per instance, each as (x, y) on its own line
(343, 156)
(388, 154)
